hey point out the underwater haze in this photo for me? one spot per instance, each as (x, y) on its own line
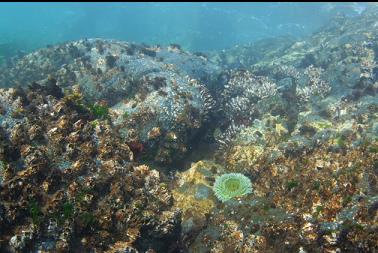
(188, 127)
(195, 26)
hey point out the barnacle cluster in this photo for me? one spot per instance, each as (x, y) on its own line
(65, 175)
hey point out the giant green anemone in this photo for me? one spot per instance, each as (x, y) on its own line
(231, 185)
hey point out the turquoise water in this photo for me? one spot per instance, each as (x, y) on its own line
(195, 26)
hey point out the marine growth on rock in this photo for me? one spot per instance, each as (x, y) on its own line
(110, 146)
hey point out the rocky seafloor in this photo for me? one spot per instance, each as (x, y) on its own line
(111, 146)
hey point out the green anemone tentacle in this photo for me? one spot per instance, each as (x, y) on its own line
(231, 185)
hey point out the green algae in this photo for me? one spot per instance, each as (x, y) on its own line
(292, 184)
(35, 212)
(99, 111)
(87, 219)
(68, 210)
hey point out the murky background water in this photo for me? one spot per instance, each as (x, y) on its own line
(195, 26)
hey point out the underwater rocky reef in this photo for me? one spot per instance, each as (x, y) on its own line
(111, 146)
